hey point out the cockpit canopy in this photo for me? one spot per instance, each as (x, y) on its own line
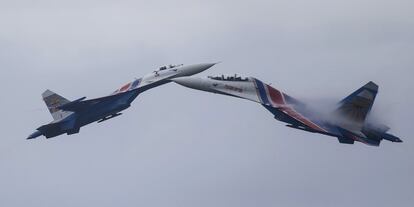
(229, 78)
(169, 66)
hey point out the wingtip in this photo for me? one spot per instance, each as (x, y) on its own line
(47, 93)
(371, 85)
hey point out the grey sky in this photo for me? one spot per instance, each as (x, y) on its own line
(180, 147)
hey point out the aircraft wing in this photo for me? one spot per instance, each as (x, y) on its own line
(289, 110)
(300, 121)
(82, 105)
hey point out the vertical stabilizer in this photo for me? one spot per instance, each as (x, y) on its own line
(53, 101)
(355, 108)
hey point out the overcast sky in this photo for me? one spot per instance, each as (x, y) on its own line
(183, 148)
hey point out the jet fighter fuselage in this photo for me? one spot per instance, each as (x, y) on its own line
(347, 122)
(69, 117)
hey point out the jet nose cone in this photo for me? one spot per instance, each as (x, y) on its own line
(194, 69)
(190, 82)
(185, 81)
(206, 66)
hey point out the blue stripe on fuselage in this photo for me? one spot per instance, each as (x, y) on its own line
(135, 83)
(262, 92)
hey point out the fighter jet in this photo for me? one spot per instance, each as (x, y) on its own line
(347, 122)
(70, 116)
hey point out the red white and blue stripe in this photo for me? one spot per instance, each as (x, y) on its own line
(129, 86)
(270, 96)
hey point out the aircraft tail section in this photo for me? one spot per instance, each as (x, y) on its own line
(53, 101)
(355, 108)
